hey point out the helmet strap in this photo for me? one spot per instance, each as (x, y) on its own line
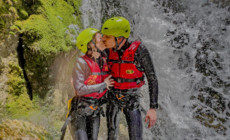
(118, 44)
(96, 46)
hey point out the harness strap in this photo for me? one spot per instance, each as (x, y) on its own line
(63, 129)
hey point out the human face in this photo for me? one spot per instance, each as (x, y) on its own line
(93, 51)
(109, 41)
(98, 41)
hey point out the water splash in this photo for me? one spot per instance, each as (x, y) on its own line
(91, 13)
(189, 43)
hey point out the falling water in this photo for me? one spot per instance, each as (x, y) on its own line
(189, 43)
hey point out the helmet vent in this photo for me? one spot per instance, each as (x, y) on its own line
(105, 28)
(126, 31)
(81, 44)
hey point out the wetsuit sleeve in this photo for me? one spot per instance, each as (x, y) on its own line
(144, 59)
(81, 72)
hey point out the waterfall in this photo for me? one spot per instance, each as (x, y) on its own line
(189, 43)
(91, 13)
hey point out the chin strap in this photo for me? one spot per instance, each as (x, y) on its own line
(96, 47)
(117, 45)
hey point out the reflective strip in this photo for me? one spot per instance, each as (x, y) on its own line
(99, 73)
(121, 61)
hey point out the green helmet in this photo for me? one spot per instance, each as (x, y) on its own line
(84, 38)
(116, 26)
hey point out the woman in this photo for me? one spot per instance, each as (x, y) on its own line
(90, 82)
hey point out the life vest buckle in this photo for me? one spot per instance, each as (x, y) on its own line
(119, 80)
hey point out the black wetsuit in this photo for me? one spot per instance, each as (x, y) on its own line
(130, 102)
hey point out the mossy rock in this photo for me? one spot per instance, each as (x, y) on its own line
(44, 36)
(16, 81)
(1, 2)
(19, 129)
(1, 66)
(23, 14)
(20, 107)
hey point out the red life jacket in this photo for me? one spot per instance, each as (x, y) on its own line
(124, 71)
(96, 77)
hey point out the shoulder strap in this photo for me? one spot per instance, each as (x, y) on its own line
(129, 53)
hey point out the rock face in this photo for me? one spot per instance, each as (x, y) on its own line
(34, 35)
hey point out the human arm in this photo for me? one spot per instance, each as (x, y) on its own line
(81, 71)
(146, 63)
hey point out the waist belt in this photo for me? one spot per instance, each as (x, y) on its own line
(123, 80)
(122, 95)
(124, 91)
(89, 100)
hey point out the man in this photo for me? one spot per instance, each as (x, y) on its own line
(128, 62)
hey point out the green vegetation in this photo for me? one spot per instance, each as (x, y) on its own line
(1, 66)
(43, 26)
(45, 35)
(16, 81)
(45, 32)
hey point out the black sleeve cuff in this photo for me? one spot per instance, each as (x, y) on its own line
(154, 106)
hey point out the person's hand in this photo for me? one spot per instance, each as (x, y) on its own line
(151, 117)
(109, 82)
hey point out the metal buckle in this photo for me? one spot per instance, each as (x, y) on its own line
(119, 80)
(119, 97)
(91, 107)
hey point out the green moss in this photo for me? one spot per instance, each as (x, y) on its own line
(45, 36)
(9, 2)
(8, 14)
(1, 2)
(19, 106)
(13, 10)
(12, 33)
(23, 14)
(18, 102)
(76, 4)
(16, 82)
(48, 28)
(14, 28)
(1, 66)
